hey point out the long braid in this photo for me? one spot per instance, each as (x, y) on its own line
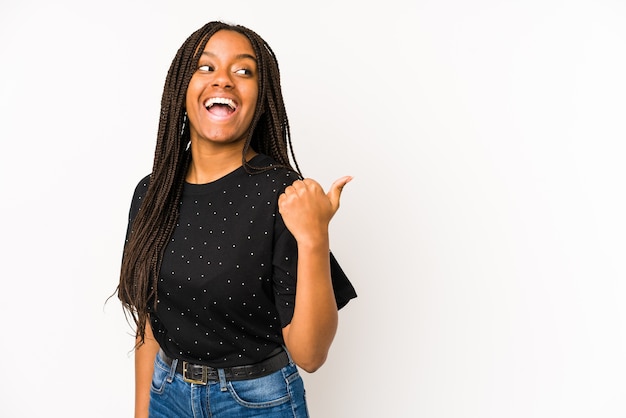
(154, 223)
(270, 125)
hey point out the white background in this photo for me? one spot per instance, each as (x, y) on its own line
(484, 229)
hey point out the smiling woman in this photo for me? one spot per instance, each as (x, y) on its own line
(227, 271)
(222, 95)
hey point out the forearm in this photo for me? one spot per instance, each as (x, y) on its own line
(307, 212)
(144, 367)
(314, 323)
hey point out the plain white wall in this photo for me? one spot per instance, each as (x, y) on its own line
(484, 229)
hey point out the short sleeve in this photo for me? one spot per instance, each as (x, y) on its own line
(285, 278)
(344, 290)
(138, 195)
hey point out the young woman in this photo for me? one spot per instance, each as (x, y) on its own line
(227, 272)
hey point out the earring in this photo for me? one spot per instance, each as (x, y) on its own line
(184, 123)
(182, 131)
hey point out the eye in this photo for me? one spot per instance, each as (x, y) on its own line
(243, 71)
(205, 68)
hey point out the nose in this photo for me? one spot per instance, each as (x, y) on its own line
(222, 78)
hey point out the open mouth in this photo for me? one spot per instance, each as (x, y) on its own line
(220, 106)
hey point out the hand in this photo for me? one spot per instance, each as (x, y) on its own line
(307, 210)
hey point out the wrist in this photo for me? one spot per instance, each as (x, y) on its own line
(314, 242)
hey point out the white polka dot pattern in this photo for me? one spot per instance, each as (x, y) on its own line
(228, 276)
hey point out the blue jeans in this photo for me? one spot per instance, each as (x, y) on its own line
(280, 394)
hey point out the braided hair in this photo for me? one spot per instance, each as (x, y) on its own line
(154, 223)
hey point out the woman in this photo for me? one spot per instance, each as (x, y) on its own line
(227, 271)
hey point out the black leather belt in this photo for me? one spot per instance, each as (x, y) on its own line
(201, 374)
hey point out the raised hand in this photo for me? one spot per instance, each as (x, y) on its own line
(307, 210)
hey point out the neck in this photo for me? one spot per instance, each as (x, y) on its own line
(208, 165)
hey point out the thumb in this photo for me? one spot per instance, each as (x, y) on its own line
(334, 193)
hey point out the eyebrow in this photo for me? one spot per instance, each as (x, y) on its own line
(238, 56)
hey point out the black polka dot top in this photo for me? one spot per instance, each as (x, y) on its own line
(228, 276)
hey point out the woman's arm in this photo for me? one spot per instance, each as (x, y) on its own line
(144, 366)
(307, 211)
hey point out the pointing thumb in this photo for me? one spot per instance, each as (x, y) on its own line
(334, 192)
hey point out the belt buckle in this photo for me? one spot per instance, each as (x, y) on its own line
(203, 381)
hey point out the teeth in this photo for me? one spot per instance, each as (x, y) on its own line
(219, 100)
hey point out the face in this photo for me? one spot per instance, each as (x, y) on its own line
(223, 91)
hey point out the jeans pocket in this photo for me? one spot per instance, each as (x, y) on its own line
(263, 392)
(160, 375)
